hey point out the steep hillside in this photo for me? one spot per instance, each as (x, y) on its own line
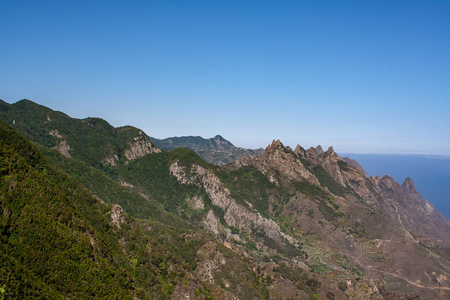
(286, 224)
(92, 140)
(53, 238)
(59, 241)
(215, 150)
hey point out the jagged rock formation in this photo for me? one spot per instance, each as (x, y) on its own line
(284, 224)
(278, 158)
(410, 219)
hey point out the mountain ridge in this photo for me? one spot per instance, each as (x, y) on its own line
(216, 150)
(307, 223)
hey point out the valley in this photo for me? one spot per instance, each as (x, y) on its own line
(150, 219)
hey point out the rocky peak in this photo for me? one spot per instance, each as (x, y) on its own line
(330, 154)
(408, 186)
(221, 143)
(300, 151)
(313, 153)
(388, 178)
(276, 144)
(319, 149)
(280, 158)
(219, 137)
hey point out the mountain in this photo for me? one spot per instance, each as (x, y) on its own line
(216, 150)
(286, 224)
(61, 241)
(431, 174)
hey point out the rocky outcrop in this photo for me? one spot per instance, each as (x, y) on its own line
(329, 161)
(408, 186)
(110, 160)
(196, 202)
(117, 215)
(211, 222)
(355, 164)
(62, 147)
(410, 209)
(312, 154)
(277, 157)
(235, 215)
(139, 147)
(55, 133)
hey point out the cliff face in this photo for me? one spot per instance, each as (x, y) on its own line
(303, 223)
(235, 215)
(368, 220)
(139, 147)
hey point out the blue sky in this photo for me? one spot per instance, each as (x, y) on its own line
(363, 76)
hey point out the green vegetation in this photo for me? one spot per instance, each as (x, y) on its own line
(58, 242)
(90, 140)
(247, 184)
(327, 181)
(187, 158)
(47, 228)
(343, 165)
(151, 174)
(310, 190)
(111, 191)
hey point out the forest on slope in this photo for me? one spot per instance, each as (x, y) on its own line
(299, 223)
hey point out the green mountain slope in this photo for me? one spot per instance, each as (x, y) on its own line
(60, 241)
(285, 224)
(91, 140)
(50, 246)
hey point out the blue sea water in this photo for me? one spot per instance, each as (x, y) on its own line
(431, 174)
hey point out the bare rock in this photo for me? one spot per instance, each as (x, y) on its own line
(117, 215)
(139, 147)
(55, 133)
(282, 159)
(236, 215)
(64, 148)
(408, 186)
(211, 222)
(110, 160)
(196, 202)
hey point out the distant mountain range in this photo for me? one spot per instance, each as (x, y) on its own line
(216, 150)
(91, 211)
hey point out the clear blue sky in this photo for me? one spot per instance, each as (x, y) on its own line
(363, 76)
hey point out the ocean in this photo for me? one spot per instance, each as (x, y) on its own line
(431, 174)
